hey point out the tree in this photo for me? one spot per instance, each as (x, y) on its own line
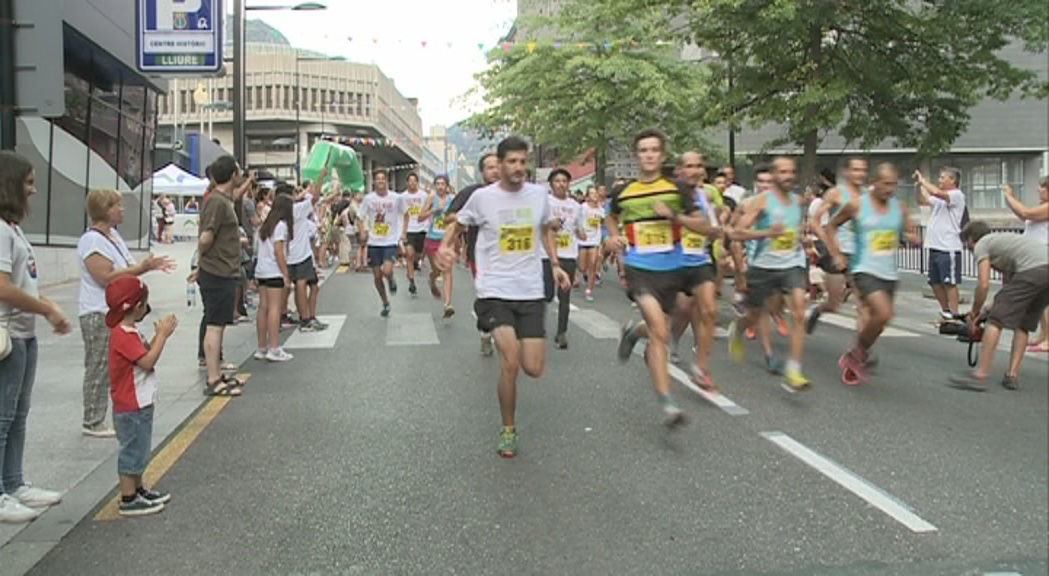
(608, 75)
(905, 71)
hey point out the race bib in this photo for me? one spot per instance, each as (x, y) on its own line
(438, 224)
(381, 229)
(516, 238)
(653, 237)
(564, 241)
(692, 243)
(593, 222)
(414, 211)
(883, 242)
(785, 242)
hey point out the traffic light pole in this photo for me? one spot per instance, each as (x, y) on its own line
(8, 94)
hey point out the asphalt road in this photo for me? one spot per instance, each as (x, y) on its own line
(369, 458)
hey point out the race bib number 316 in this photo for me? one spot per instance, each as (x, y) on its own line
(516, 239)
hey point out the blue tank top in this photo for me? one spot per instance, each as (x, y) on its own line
(783, 251)
(436, 230)
(694, 249)
(877, 238)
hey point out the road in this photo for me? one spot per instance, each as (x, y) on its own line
(373, 452)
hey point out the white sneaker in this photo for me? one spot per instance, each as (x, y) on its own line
(14, 512)
(99, 431)
(278, 355)
(260, 354)
(34, 497)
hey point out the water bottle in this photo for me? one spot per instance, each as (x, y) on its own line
(191, 294)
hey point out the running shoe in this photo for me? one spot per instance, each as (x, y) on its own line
(411, 288)
(852, 369)
(736, 347)
(508, 442)
(307, 327)
(751, 332)
(561, 341)
(154, 495)
(140, 506)
(774, 364)
(449, 311)
(486, 345)
(278, 355)
(795, 381)
(672, 415)
(1010, 382)
(318, 325)
(627, 340)
(589, 295)
(702, 379)
(393, 286)
(782, 328)
(969, 381)
(385, 311)
(260, 354)
(434, 290)
(812, 318)
(674, 358)
(597, 280)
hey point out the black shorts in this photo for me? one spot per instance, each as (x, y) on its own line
(549, 287)
(417, 242)
(662, 285)
(526, 317)
(697, 275)
(219, 297)
(379, 255)
(826, 263)
(271, 282)
(762, 283)
(1021, 301)
(868, 284)
(303, 271)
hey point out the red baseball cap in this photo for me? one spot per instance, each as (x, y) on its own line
(122, 295)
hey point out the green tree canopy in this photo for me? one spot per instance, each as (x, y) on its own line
(597, 76)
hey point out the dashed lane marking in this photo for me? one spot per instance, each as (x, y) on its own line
(852, 482)
(849, 323)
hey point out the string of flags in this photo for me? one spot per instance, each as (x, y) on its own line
(508, 46)
(367, 141)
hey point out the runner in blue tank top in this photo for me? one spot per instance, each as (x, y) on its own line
(878, 219)
(774, 222)
(833, 202)
(434, 209)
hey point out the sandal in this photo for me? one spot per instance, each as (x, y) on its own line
(232, 381)
(222, 388)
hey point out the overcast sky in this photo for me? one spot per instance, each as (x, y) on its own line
(438, 74)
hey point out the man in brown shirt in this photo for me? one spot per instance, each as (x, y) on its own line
(218, 274)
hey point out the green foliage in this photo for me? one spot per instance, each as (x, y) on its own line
(874, 70)
(611, 73)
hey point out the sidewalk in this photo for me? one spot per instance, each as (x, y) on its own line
(57, 456)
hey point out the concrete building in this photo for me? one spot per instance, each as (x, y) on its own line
(91, 123)
(293, 97)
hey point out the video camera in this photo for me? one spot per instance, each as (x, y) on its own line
(973, 338)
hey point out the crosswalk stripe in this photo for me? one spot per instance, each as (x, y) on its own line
(411, 330)
(318, 340)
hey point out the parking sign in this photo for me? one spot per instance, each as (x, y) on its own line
(179, 36)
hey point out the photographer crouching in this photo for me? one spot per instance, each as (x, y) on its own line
(1024, 264)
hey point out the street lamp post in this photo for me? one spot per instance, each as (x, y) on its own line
(239, 141)
(298, 107)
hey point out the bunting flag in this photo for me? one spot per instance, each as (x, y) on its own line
(531, 44)
(368, 141)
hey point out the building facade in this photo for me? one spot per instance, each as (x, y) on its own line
(103, 134)
(293, 98)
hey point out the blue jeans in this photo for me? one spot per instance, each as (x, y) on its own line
(135, 434)
(17, 373)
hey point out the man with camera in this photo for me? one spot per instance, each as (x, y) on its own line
(1024, 264)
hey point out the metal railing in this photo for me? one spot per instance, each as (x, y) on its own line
(916, 258)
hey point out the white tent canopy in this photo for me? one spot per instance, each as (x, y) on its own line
(175, 181)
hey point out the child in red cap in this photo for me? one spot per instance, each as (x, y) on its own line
(133, 388)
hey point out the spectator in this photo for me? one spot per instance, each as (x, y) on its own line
(103, 257)
(1036, 225)
(943, 236)
(218, 269)
(20, 303)
(733, 190)
(191, 207)
(133, 380)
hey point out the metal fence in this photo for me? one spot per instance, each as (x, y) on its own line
(916, 258)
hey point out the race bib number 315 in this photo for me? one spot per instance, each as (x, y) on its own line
(516, 239)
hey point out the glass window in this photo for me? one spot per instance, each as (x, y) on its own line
(313, 98)
(269, 97)
(133, 109)
(360, 104)
(288, 104)
(104, 133)
(78, 97)
(258, 96)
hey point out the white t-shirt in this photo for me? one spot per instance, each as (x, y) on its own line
(814, 206)
(18, 260)
(113, 248)
(299, 248)
(944, 228)
(266, 266)
(413, 204)
(384, 215)
(509, 260)
(593, 218)
(570, 213)
(736, 192)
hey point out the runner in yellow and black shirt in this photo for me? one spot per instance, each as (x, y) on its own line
(653, 210)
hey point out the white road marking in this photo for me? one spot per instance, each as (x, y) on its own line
(717, 399)
(573, 307)
(315, 340)
(849, 323)
(595, 324)
(411, 330)
(874, 496)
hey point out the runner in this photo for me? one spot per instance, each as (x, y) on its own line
(489, 168)
(833, 201)
(512, 217)
(698, 305)
(415, 237)
(437, 205)
(651, 209)
(878, 218)
(568, 217)
(776, 266)
(589, 252)
(387, 216)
